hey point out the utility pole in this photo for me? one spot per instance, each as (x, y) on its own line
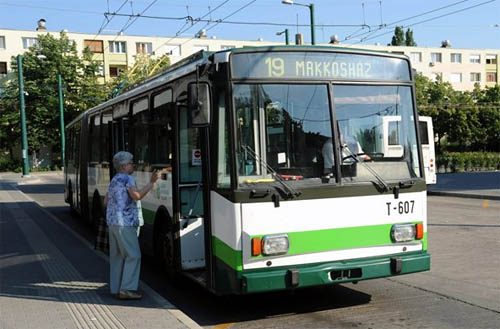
(61, 115)
(24, 137)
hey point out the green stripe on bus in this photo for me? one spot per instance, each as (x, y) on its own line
(227, 254)
(339, 239)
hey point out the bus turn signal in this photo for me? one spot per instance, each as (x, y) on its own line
(256, 247)
(419, 228)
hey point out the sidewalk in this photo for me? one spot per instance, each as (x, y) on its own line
(52, 278)
(480, 185)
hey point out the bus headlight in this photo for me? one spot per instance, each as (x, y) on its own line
(403, 232)
(275, 244)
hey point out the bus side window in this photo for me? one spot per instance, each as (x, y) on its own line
(161, 129)
(94, 139)
(424, 133)
(107, 118)
(140, 123)
(223, 149)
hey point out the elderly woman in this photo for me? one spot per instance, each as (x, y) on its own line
(122, 216)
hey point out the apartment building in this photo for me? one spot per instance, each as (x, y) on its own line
(461, 67)
(116, 53)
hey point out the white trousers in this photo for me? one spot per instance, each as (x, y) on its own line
(124, 258)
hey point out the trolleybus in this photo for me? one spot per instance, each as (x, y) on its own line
(271, 174)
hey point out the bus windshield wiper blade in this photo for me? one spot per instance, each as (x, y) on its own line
(290, 191)
(381, 182)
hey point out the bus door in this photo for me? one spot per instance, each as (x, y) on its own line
(428, 153)
(189, 194)
(78, 154)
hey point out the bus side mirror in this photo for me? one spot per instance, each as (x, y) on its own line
(199, 104)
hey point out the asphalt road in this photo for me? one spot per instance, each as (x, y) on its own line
(462, 290)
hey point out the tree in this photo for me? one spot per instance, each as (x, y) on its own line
(41, 65)
(398, 39)
(145, 67)
(409, 39)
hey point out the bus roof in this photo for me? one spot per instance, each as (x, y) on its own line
(188, 65)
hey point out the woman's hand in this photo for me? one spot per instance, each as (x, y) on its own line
(155, 176)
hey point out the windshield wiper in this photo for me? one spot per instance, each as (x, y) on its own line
(289, 190)
(382, 184)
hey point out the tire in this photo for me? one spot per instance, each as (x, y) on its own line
(165, 249)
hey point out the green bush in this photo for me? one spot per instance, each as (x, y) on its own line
(6, 164)
(469, 161)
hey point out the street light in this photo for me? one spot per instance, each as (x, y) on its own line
(287, 40)
(24, 137)
(311, 11)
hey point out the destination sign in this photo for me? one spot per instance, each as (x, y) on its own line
(318, 66)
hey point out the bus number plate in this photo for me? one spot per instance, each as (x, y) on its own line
(401, 207)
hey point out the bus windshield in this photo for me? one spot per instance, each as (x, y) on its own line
(377, 127)
(286, 126)
(288, 129)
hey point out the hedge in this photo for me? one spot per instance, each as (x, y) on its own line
(467, 161)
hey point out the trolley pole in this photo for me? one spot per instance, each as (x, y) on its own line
(24, 137)
(311, 12)
(61, 115)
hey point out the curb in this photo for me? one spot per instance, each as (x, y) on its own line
(165, 304)
(464, 195)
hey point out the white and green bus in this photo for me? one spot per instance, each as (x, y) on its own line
(271, 176)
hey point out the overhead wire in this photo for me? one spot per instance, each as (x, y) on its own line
(381, 26)
(431, 19)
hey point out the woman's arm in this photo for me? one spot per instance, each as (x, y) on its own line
(138, 194)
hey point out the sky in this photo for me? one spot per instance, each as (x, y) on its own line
(465, 23)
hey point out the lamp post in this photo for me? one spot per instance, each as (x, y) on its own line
(24, 137)
(311, 12)
(287, 39)
(61, 116)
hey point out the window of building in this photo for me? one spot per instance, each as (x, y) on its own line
(2, 42)
(3, 69)
(416, 57)
(173, 50)
(115, 71)
(100, 71)
(144, 47)
(455, 77)
(227, 47)
(491, 59)
(491, 77)
(197, 48)
(475, 77)
(475, 59)
(29, 42)
(95, 46)
(436, 58)
(456, 58)
(435, 76)
(118, 47)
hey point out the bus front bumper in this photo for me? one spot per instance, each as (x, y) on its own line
(332, 273)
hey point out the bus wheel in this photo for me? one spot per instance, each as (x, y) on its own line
(165, 250)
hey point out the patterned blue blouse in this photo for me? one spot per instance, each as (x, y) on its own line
(121, 210)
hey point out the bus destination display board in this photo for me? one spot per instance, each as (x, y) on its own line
(318, 66)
